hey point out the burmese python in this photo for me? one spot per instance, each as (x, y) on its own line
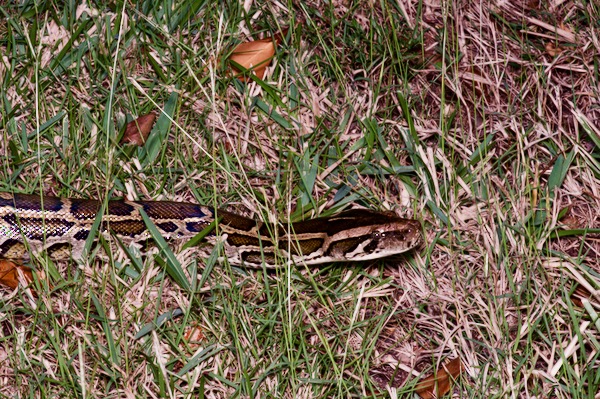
(28, 221)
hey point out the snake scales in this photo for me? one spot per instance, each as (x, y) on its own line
(38, 223)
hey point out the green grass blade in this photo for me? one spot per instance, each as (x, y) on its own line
(173, 267)
(559, 171)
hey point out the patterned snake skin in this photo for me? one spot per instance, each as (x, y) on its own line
(33, 223)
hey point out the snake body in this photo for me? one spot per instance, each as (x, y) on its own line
(34, 223)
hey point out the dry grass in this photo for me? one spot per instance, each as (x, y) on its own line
(481, 119)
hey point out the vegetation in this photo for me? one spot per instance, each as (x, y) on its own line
(479, 119)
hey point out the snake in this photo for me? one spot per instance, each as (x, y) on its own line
(33, 223)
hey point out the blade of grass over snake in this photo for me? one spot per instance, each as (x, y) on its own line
(173, 267)
(387, 103)
(195, 240)
(89, 241)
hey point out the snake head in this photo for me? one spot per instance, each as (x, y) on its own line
(360, 235)
(396, 237)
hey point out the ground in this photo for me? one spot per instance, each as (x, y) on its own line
(479, 119)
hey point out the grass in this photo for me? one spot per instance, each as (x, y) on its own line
(477, 119)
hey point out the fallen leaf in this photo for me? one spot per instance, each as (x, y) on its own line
(11, 274)
(278, 37)
(579, 294)
(137, 130)
(438, 384)
(255, 56)
(572, 222)
(194, 336)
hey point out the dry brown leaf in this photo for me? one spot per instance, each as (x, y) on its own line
(579, 294)
(278, 37)
(137, 131)
(194, 336)
(573, 222)
(9, 274)
(438, 384)
(255, 56)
